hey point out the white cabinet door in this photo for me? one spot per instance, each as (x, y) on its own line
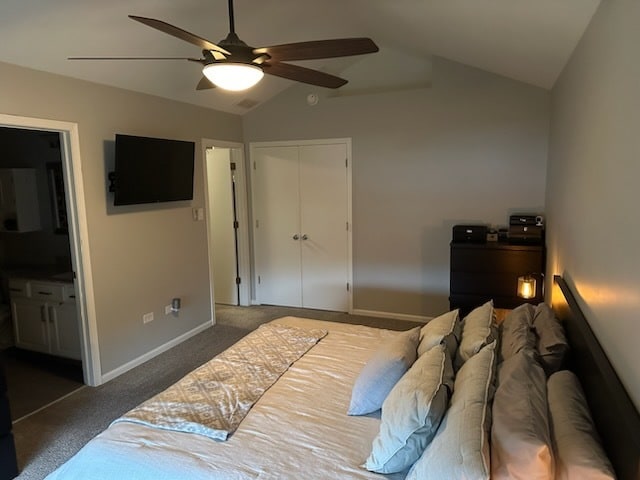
(30, 325)
(300, 198)
(276, 206)
(45, 317)
(64, 332)
(324, 234)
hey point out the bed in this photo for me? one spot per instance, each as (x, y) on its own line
(299, 427)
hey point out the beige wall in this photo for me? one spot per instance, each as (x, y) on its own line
(592, 192)
(141, 257)
(472, 149)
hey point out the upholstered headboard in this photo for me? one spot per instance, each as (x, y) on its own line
(615, 416)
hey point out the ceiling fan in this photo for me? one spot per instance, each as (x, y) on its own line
(233, 65)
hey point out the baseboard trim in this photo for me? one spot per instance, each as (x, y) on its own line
(395, 316)
(153, 353)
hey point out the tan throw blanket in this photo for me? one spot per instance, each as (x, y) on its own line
(213, 399)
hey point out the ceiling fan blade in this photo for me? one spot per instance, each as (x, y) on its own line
(198, 60)
(204, 84)
(179, 33)
(340, 47)
(302, 74)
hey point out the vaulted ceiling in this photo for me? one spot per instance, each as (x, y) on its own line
(526, 40)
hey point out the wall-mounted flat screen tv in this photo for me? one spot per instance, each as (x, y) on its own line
(152, 170)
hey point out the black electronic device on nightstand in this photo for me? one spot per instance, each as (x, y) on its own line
(526, 229)
(470, 233)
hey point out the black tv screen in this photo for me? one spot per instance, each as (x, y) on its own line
(151, 170)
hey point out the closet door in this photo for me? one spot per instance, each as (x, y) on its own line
(323, 226)
(276, 206)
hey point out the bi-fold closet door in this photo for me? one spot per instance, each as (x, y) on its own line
(302, 224)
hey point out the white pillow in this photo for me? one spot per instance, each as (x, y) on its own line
(382, 371)
(579, 454)
(520, 438)
(442, 329)
(460, 448)
(412, 412)
(478, 330)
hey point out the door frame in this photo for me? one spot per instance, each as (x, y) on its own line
(322, 141)
(244, 262)
(78, 234)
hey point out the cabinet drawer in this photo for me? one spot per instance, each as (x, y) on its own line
(497, 260)
(69, 293)
(505, 284)
(47, 291)
(496, 284)
(19, 287)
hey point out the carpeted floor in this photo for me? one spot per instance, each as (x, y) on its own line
(48, 438)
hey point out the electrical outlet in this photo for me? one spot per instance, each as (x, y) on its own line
(167, 309)
(147, 317)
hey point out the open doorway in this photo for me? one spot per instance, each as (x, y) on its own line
(64, 184)
(227, 222)
(39, 330)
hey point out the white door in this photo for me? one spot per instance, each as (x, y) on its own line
(302, 238)
(324, 228)
(276, 202)
(222, 233)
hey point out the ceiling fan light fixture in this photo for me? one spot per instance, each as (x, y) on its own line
(233, 76)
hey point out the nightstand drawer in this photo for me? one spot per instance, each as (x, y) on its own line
(481, 283)
(510, 260)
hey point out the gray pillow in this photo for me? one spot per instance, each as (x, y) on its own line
(579, 453)
(382, 371)
(412, 412)
(520, 437)
(460, 448)
(517, 331)
(552, 343)
(442, 329)
(478, 329)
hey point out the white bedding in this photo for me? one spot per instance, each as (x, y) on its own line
(298, 429)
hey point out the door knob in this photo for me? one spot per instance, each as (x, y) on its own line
(305, 237)
(296, 237)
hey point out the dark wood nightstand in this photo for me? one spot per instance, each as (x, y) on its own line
(481, 272)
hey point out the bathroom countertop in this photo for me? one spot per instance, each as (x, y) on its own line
(49, 274)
